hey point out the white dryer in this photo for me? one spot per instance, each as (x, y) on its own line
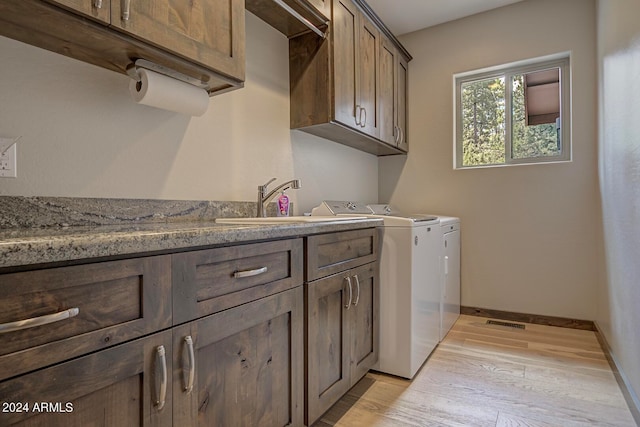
(409, 284)
(450, 277)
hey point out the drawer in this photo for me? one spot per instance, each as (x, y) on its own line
(82, 309)
(208, 281)
(331, 253)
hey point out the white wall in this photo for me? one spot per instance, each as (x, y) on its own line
(619, 63)
(83, 136)
(530, 239)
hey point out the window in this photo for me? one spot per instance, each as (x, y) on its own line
(513, 114)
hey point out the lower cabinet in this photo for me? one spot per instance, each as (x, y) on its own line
(342, 334)
(241, 367)
(237, 357)
(126, 385)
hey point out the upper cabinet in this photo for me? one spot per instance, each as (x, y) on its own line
(203, 40)
(210, 32)
(351, 88)
(356, 64)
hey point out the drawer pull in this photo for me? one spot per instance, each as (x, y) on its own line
(250, 273)
(97, 4)
(126, 10)
(162, 395)
(192, 364)
(38, 321)
(358, 286)
(350, 293)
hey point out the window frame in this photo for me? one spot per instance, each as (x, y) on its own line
(561, 61)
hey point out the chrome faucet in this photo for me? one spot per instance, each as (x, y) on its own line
(264, 199)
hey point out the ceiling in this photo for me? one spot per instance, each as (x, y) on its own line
(405, 16)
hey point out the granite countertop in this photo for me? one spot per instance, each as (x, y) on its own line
(30, 246)
(45, 230)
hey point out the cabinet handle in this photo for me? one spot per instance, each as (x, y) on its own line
(358, 115)
(396, 129)
(97, 4)
(401, 135)
(192, 364)
(250, 273)
(126, 9)
(446, 265)
(363, 123)
(350, 292)
(38, 321)
(162, 395)
(358, 286)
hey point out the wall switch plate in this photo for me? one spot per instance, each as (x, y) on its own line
(8, 158)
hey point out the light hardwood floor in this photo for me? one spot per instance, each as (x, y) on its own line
(489, 375)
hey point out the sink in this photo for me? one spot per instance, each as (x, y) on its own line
(287, 219)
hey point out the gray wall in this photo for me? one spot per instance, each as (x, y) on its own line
(619, 166)
(530, 233)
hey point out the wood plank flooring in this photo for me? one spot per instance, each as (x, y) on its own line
(491, 375)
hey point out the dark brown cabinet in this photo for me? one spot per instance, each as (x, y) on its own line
(388, 93)
(242, 367)
(110, 348)
(394, 70)
(356, 53)
(203, 40)
(402, 99)
(208, 281)
(51, 315)
(126, 385)
(209, 32)
(340, 87)
(342, 335)
(342, 308)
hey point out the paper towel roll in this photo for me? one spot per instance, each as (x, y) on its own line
(160, 91)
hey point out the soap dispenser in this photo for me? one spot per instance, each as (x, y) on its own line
(283, 205)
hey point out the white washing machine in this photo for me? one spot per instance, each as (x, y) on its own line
(450, 277)
(409, 284)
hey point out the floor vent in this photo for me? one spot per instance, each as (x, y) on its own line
(507, 324)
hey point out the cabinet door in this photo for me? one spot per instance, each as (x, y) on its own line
(246, 367)
(368, 67)
(98, 9)
(401, 122)
(364, 311)
(388, 93)
(209, 32)
(120, 386)
(328, 370)
(345, 36)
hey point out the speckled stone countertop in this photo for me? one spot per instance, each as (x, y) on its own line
(21, 246)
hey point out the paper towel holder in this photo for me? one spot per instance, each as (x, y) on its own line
(132, 71)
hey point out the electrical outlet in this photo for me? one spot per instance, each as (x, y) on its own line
(8, 158)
